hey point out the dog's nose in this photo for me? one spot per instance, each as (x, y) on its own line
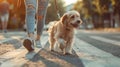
(78, 21)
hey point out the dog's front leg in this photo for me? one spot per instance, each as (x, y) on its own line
(61, 43)
(68, 48)
(51, 41)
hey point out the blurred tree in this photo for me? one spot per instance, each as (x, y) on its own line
(20, 12)
(94, 9)
(85, 9)
(116, 7)
(52, 12)
(101, 7)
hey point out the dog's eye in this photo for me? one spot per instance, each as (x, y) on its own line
(73, 17)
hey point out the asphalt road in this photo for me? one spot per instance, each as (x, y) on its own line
(90, 49)
(107, 45)
(99, 49)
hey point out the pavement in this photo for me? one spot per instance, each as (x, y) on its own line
(16, 39)
(11, 36)
(90, 49)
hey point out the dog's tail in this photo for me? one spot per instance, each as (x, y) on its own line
(51, 25)
(49, 29)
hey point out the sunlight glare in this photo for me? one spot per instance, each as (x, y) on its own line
(71, 1)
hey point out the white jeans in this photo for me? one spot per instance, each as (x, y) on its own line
(4, 18)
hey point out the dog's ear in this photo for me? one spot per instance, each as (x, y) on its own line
(64, 18)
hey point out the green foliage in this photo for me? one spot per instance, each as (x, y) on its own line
(84, 7)
(116, 5)
(97, 9)
(52, 12)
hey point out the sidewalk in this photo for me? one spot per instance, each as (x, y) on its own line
(11, 37)
(18, 55)
(10, 41)
(106, 30)
(112, 31)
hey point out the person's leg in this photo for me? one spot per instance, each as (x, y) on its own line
(6, 21)
(3, 26)
(31, 7)
(41, 14)
(42, 9)
(3, 22)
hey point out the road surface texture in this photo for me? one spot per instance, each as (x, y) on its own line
(90, 49)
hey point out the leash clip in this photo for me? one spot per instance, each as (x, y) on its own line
(58, 14)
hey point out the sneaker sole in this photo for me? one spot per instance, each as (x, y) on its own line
(28, 45)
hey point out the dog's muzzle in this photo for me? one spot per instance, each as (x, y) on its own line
(76, 24)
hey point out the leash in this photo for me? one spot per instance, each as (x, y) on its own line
(18, 3)
(58, 14)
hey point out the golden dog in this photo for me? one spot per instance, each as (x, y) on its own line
(62, 31)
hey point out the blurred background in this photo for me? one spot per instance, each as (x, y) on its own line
(96, 14)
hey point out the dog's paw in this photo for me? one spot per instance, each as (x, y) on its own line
(61, 47)
(62, 42)
(67, 54)
(52, 50)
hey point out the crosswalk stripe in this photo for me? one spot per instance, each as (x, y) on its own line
(105, 40)
(94, 57)
(117, 36)
(45, 40)
(12, 38)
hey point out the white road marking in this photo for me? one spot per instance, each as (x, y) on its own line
(11, 38)
(94, 57)
(106, 40)
(44, 40)
(117, 36)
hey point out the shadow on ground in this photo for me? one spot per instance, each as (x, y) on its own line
(47, 58)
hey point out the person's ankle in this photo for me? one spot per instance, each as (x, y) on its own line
(31, 35)
(38, 43)
(37, 37)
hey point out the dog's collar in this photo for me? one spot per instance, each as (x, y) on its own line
(67, 29)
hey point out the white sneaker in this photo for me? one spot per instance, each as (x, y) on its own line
(38, 44)
(28, 43)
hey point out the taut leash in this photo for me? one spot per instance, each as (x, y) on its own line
(58, 14)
